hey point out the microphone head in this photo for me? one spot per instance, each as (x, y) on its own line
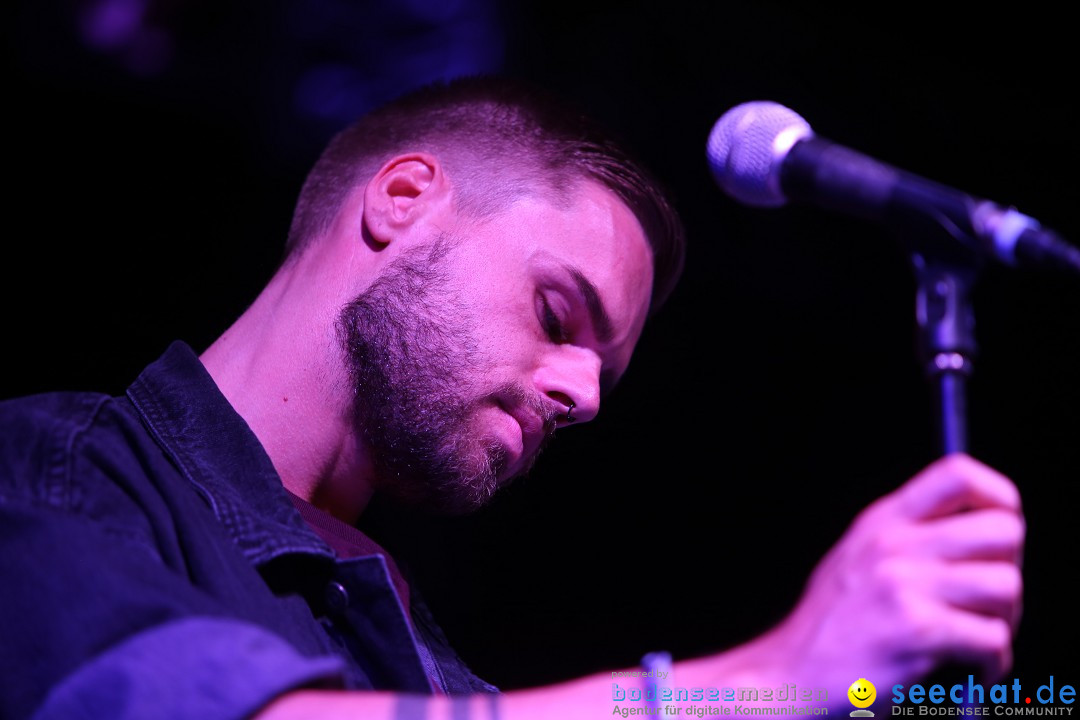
(747, 146)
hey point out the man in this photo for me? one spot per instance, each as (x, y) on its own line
(468, 270)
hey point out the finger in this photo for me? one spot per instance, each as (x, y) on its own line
(953, 484)
(980, 535)
(989, 588)
(983, 642)
(950, 634)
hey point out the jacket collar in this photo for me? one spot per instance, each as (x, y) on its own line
(214, 448)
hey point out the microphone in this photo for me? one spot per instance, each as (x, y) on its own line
(764, 154)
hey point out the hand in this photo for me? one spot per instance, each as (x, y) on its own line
(926, 575)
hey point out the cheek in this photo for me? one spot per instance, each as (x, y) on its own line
(507, 334)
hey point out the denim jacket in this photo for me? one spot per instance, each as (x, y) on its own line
(152, 565)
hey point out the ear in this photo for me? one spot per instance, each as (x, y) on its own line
(407, 189)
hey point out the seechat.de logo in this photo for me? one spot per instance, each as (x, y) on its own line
(973, 698)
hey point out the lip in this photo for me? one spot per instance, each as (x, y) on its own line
(532, 427)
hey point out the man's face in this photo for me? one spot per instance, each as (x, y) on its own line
(467, 351)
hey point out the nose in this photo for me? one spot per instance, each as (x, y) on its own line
(571, 374)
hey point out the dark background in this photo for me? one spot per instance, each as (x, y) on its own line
(155, 150)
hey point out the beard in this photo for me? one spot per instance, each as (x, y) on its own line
(411, 352)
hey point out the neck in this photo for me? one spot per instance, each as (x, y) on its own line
(274, 368)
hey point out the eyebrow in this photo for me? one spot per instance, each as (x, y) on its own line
(598, 314)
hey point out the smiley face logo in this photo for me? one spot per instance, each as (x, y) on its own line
(862, 693)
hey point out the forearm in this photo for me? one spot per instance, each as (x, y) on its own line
(590, 696)
(585, 697)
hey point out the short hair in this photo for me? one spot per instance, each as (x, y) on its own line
(498, 140)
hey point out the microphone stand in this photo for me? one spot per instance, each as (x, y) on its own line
(946, 347)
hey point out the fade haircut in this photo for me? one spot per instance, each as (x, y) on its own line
(498, 140)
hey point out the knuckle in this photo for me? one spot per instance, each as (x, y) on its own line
(1013, 530)
(960, 468)
(1012, 582)
(918, 624)
(876, 513)
(1013, 494)
(957, 463)
(884, 545)
(998, 636)
(891, 576)
(910, 611)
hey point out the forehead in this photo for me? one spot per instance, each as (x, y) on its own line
(593, 235)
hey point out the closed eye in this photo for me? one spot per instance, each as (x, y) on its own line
(552, 325)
